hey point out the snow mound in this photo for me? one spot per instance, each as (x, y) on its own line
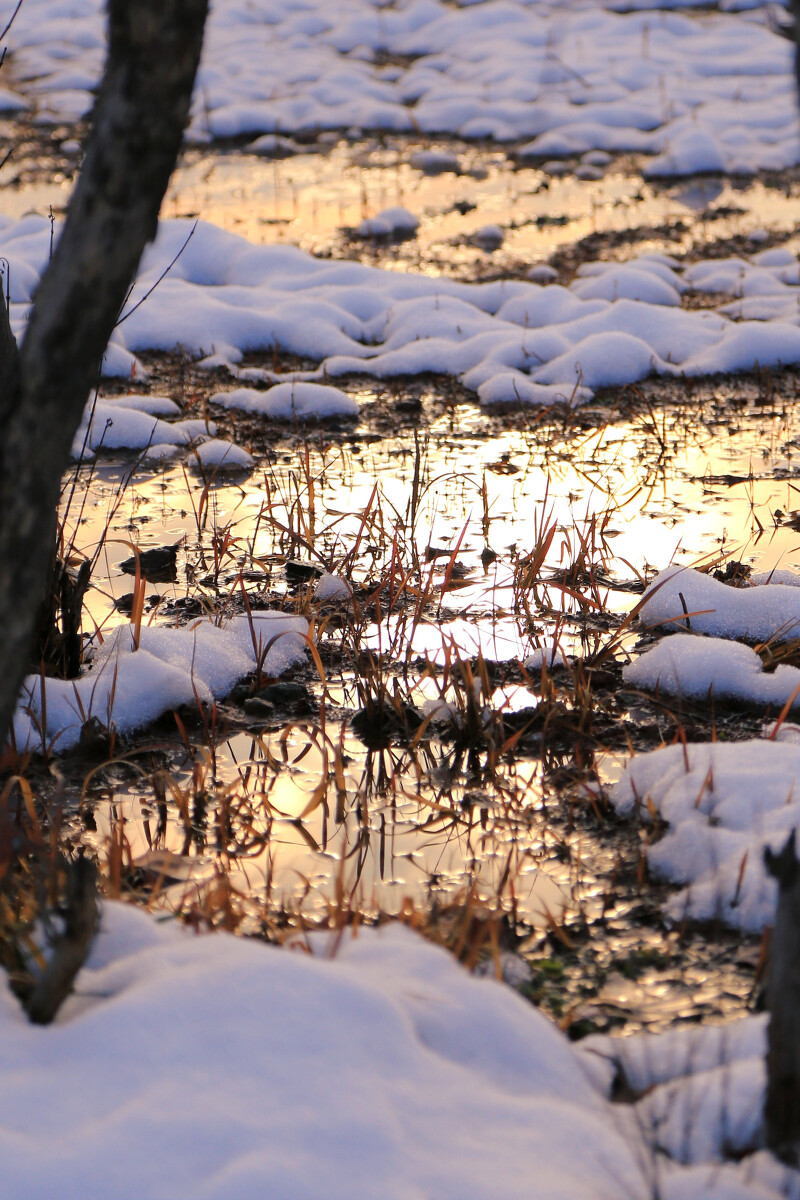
(332, 587)
(700, 95)
(225, 297)
(132, 687)
(549, 655)
(689, 152)
(389, 222)
(219, 455)
(435, 162)
(387, 1063)
(704, 1102)
(769, 611)
(156, 406)
(701, 668)
(628, 283)
(723, 802)
(291, 401)
(130, 423)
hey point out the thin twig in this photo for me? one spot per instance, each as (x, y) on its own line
(162, 276)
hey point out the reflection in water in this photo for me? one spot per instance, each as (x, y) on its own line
(293, 822)
(300, 822)
(311, 197)
(621, 499)
(308, 199)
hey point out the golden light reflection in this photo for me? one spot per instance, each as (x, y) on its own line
(308, 198)
(399, 829)
(618, 500)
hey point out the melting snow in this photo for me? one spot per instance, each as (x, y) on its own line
(769, 611)
(708, 94)
(290, 401)
(722, 803)
(171, 667)
(385, 1070)
(510, 341)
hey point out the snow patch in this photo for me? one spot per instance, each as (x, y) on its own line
(723, 802)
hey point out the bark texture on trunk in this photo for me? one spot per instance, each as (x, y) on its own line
(137, 127)
(782, 1106)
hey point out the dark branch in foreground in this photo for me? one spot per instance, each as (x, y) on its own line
(138, 123)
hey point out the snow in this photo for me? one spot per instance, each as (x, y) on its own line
(723, 802)
(689, 151)
(387, 1070)
(513, 388)
(389, 222)
(701, 1095)
(271, 145)
(332, 587)
(511, 341)
(490, 237)
(542, 273)
(649, 1060)
(220, 455)
(629, 283)
(382, 1068)
(435, 162)
(548, 654)
(156, 406)
(10, 102)
(707, 669)
(159, 452)
(172, 667)
(768, 611)
(291, 401)
(703, 93)
(129, 423)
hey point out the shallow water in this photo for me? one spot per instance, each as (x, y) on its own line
(317, 821)
(713, 476)
(315, 198)
(303, 819)
(309, 199)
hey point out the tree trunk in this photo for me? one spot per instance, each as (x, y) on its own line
(782, 1107)
(138, 122)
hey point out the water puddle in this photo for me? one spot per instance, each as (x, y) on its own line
(309, 199)
(382, 830)
(713, 477)
(312, 198)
